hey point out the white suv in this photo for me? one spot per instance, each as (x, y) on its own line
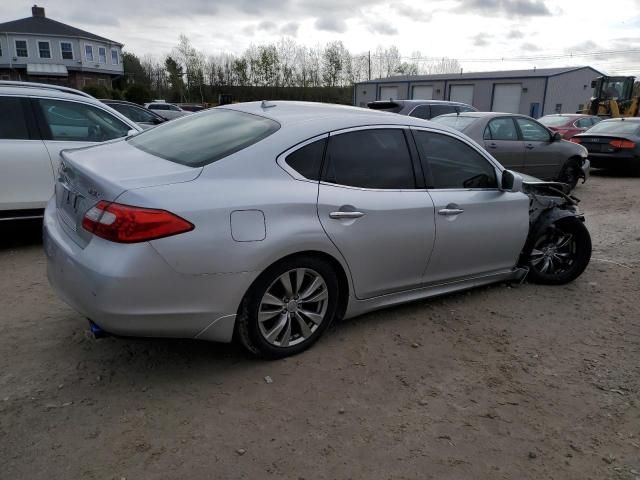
(37, 122)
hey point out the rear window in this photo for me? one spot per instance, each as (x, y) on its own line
(619, 127)
(198, 140)
(386, 106)
(457, 122)
(554, 121)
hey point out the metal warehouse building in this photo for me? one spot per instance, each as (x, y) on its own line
(531, 92)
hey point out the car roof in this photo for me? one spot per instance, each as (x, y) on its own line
(623, 119)
(421, 102)
(568, 115)
(482, 114)
(317, 118)
(42, 90)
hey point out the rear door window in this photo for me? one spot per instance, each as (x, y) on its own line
(198, 140)
(501, 129)
(307, 160)
(13, 122)
(452, 163)
(372, 158)
(74, 121)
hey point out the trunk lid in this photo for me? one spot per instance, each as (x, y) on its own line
(104, 172)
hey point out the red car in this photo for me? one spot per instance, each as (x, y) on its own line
(569, 124)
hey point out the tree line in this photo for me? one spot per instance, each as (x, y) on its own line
(283, 69)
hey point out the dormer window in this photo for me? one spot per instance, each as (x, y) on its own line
(88, 53)
(115, 60)
(102, 55)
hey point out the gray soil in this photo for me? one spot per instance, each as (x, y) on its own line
(496, 383)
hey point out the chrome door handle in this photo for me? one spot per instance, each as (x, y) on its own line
(340, 215)
(448, 212)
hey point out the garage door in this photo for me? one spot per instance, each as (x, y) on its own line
(388, 93)
(506, 97)
(461, 93)
(422, 92)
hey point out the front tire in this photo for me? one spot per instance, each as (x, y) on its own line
(288, 307)
(560, 253)
(571, 173)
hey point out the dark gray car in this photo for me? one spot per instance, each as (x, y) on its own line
(425, 109)
(520, 143)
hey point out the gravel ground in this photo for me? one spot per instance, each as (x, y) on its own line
(496, 383)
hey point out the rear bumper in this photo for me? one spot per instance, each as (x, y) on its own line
(131, 290)
(614, 160)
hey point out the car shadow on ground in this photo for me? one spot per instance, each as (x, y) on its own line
(618, 173)
(21, 233)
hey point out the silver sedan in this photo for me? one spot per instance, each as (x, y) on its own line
(266, 221)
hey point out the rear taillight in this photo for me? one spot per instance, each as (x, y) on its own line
(575, 140)
(622, 144)
(128, 224)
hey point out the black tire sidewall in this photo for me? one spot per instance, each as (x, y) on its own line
(577, 228)
(253, 298)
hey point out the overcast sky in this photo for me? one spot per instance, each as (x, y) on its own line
(468, 30)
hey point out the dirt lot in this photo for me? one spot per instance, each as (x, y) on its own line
(498, 383)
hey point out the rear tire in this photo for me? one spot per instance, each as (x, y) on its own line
(288, 307)
(560, 253)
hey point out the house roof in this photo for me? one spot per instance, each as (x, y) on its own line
(538, 72)
(46, 26)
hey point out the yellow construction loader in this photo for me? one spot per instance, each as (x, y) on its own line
(612, 98)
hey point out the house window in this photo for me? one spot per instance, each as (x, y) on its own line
(102, 55)
(115, 60)
(67, 50)
(558, 108)
(44, 49)
(21, 48)
(88, 53)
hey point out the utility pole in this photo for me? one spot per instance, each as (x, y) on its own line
(369, 64)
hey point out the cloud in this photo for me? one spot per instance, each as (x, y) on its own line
(508, 8)
(528, 47)
(515, 34)
(412, 12)
(290, 28)
(481, 39)
(382, 27)
(331, 24)
(93, 18)
(267, 25)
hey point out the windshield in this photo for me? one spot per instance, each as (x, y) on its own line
(554, 120)
(620, 127)
(455, 121)
(199, 139)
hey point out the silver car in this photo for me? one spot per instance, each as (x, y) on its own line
(266, 221)
(168, 111)
(522, 144)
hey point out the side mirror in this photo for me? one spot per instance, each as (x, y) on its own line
(132, 132)
(158, 121)
(556, 137)
(510, 181)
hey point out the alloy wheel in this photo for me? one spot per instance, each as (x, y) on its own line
(554, 253)
(293, 307)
